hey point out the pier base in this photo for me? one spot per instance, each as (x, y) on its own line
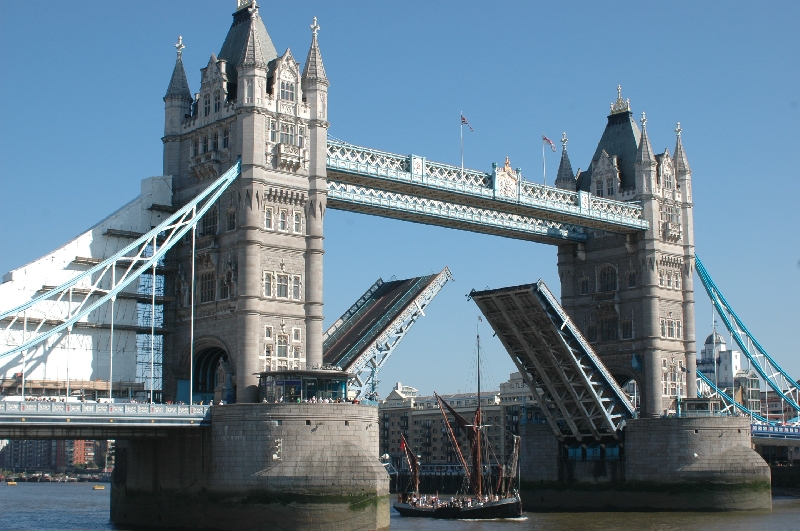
(666, 464)
(281, 466)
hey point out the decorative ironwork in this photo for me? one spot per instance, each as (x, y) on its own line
(473, 188)
(435, 212)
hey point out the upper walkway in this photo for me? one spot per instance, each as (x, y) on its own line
(416, 189)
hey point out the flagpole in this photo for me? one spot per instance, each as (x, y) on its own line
(461, 121)
(544, 167)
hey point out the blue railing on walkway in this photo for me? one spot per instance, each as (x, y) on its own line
(10, 410)
(775, 432)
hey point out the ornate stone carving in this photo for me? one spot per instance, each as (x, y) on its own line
(506, 181)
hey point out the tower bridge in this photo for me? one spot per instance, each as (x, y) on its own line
(210, 282)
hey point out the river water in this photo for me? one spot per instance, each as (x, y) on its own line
(75, 506)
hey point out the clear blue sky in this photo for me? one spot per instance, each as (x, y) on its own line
(82, 118)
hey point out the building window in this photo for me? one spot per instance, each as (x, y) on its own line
(627, 329)
(298, 222)
(287, 90)
(206, 105)
(296, 353)
(295, 335)
(207, 281)
(268, 219)
(670, 328)
(283, 343)
(283, 286)
(283, 220)
(661, 276)
(204, 144)
(287, 134)
(225, 138)
(231, 220)
(248, 91)
(273, 131)
(663, 328)
(678, 329)
(610, 188)
(215, 142)
(268, 333)
(584, 286)
(599, 188)
(195, 147)
(296, 288)
(224, 289)
(210, 221)
(267, 284)
(301, 134)
(609, 329)
(631, 280)
(592, 333)
(669, 280)
(677, 283)
(216, 101)
(608, 279)
(667, 179)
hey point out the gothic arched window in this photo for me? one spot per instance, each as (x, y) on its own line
(287, 90)
(608, 279)
(216, 101)
(210, 221)
(599, 188)
(610, 187)
(206, 104)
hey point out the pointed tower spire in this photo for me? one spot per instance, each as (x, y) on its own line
(681, 163)
(644, 155)
(314, 69)
(565, 179)
(178, 85)
(253, 54)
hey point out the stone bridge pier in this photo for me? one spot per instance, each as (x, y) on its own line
(305, 466)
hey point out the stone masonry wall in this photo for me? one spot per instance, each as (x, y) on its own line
(286, 466)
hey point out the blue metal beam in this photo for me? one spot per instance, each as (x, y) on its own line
(136, 259)
(775, 377)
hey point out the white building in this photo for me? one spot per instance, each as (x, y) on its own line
(84, 353)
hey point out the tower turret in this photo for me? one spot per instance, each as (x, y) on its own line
(565, 179)
(177, 105)
(315, 89)
(683, 177)
(645, 163)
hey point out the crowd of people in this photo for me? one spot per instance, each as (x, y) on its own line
(433, 501)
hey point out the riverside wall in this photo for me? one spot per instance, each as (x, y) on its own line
(664, 464)
(287, 466)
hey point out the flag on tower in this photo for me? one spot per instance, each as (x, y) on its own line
(465, 122)
(547, 141)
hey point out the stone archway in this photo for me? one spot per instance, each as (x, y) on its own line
(212, 372)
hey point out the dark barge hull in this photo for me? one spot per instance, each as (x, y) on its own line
(506, 508)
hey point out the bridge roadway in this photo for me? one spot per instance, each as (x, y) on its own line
(385, 298)
(89, 420)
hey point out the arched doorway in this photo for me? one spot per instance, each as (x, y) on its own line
(211, 374)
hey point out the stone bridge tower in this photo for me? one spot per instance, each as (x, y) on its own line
(633, 297)
(258, 282)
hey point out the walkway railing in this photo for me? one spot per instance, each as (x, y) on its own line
(78, 410)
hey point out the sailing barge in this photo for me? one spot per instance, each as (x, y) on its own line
(496, 501)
